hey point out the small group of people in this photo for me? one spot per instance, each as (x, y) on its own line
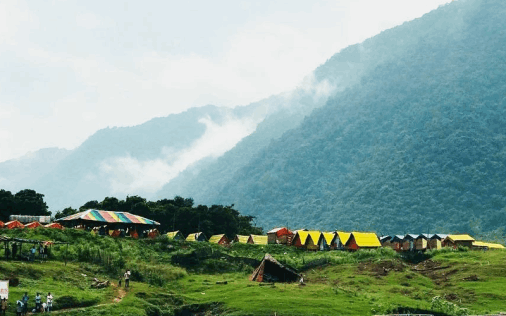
(22, 305)
(43, 252)
(126, 277)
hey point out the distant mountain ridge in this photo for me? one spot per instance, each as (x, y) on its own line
(418, 145)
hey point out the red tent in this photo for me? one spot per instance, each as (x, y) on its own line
(14, 224)
(2, 224)
(281, 235)
(153, 233)
(54, 225)
(33, 225)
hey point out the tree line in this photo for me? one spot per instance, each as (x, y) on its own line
(173, 214)
(25, 202)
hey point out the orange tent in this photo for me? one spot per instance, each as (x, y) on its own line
(114, 233)
(14, 224)
(153, 233)
(134, 234)
(33, 225)
(54, 225)
(2, 224)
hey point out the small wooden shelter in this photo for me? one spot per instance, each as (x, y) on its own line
(486, 245)
(342, 239)
(281, 235)
(421, 242)
(196, 237)
(396, 242)
(242, 239)
(436, 241)
(219, 239)
(408, 242)
(259, 239)
(14, 224)
(360, 240)
(386, 241)
(177, 235)
(459, 240)
(54, 225)
(310, 240)
(270, 270)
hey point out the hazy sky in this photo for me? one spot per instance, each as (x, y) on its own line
(69, 68)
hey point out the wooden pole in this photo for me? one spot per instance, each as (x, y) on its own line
(66, 251)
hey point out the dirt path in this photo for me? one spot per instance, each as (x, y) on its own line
(118, 297)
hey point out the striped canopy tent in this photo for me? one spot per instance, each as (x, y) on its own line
(33, 225)
(113, 220)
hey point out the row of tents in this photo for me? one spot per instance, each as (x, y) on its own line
(337, 240)
(17, 224)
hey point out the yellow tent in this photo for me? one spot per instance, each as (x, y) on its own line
(364, 240)
(481, 244)
(343, 239)
(259, 239)
(242, 239)
(175, 235)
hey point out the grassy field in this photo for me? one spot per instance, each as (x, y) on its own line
(184, 279)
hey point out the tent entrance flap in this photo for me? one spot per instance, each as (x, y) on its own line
(270, 270)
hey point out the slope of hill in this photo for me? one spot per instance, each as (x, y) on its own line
(20, 173)
(137, 160)
(418, 145)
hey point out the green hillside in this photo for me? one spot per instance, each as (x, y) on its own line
(418, 145)
(170, 278)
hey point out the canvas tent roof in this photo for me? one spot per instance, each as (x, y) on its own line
(109, 217)
(242, 239)
(385, 238)
(259, 239)
(271, 270)
(463, 237)
(329, 237)
(216, 238)
(439, 236)
(14, 224)
(366, 239)
(33, 225)
(343, 237)
(172, 235)
(54, 225)
(280, 231)
(410, 236)
(488, 245)
(194, 236)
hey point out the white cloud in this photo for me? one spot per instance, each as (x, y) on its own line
(128, 175)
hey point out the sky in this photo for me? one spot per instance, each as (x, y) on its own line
(70, 68)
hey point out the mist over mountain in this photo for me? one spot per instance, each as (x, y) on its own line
(419, 144)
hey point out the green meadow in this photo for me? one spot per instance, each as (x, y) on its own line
(173, 278)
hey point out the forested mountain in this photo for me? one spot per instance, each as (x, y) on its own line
(418, 145)
(20, 173)
(123, 160)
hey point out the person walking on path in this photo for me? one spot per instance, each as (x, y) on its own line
(25, 303)
(127, 278)
(3, 307)
(38, 302)
(49, 302)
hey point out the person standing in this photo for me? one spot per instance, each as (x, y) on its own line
(38, 301)
(19, 308)
(127, 278)
(3, 306)
(14, 250)
(49, 302)
(32, 253)
(46, 251)
(25, 303)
